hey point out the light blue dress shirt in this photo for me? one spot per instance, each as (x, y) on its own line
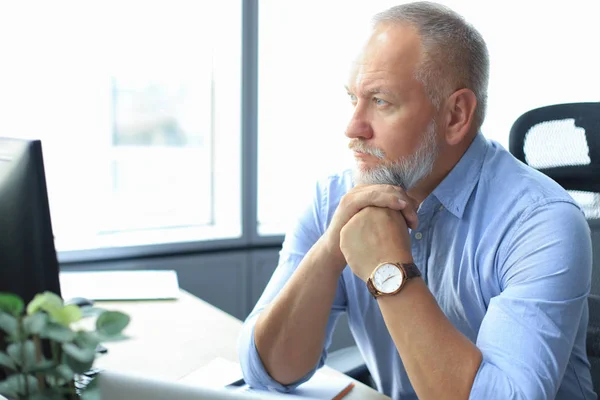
(507, 254)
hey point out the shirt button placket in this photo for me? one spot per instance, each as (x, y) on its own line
(418, 249)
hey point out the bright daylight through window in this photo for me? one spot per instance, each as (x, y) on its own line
(137, 107)
(541, 53)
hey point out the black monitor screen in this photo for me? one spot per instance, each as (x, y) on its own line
(28, 262)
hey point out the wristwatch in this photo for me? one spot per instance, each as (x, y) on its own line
(389, 278)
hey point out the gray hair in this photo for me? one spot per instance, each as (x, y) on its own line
(455, 55)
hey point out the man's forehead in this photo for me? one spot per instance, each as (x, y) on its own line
(391, 53)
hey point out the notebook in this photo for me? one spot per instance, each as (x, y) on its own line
(120, 285)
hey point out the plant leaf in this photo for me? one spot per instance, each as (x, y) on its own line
(23, 353)
(41, 366)
(8, 323)
(46, 301)
(35, 323)
(7, 362)
(15, 385)
(59, 376)
(111, 323)
(79, 354)
(78, 367)
(65, 372)
(66, 315)
(11, 304)
(57, 332)
(91, 311)
(47, 395)
(9, 387)
(86, 340)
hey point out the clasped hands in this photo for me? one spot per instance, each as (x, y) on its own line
(370, 226)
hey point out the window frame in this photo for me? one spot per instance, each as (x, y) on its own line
(249, 237)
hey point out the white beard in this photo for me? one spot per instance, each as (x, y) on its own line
(405, 172)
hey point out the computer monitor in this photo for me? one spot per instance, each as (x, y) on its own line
(28, 262)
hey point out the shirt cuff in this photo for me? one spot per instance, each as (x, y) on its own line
(491, 383)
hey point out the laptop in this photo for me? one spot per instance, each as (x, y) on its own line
(118, 386)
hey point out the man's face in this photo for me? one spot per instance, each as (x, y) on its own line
(392, 130)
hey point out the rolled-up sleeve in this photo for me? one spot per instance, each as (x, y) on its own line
(298, 241)
(529, 330)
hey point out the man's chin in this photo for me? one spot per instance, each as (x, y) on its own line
(374, 176)
(363, 175)
(357, 175)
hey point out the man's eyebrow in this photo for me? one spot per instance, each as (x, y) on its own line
(373, 90)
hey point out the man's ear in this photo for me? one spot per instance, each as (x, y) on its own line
(459, 120)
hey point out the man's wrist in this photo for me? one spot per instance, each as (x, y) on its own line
(395, 255)
(330, 255)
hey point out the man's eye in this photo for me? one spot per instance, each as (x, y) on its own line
(379, 101)
(353, 98)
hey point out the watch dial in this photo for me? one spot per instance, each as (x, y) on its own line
(387, 278)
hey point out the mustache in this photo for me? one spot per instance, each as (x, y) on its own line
(360, 147)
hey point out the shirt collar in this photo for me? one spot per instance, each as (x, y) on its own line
(456, 188)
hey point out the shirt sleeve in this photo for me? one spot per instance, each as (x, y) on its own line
(529, 330)
(307, 230)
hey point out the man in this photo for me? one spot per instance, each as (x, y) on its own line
(494, 306)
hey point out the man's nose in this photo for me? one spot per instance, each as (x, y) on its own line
(360, 124)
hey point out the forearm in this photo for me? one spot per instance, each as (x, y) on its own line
(439, 360)
(290, 332)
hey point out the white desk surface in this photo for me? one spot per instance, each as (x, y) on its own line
(170, 339)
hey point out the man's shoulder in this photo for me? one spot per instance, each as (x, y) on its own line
(520, 186)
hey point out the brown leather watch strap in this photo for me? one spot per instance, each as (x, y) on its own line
(372, 289)
(411, 270)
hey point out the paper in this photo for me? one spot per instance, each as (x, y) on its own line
(321, 386)
(120, 285)
(215, 375)
(326, 384)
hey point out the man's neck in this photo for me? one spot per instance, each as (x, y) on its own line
(442, 167)
(428, 185)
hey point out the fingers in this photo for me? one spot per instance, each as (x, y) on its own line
(410, 215)
(380, 188)
(385, 196)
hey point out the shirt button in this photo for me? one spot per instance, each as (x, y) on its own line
(418, 236)
(441, 208)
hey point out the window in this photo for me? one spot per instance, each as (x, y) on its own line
(137, 105)
(540, 53)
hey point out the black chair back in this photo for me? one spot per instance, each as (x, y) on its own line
(563, 142)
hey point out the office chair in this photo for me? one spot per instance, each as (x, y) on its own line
(563, 142)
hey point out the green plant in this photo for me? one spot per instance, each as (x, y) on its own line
(49, 327)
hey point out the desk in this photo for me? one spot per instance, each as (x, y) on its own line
(170, 339)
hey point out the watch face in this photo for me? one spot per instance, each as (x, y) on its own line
(387, 278)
